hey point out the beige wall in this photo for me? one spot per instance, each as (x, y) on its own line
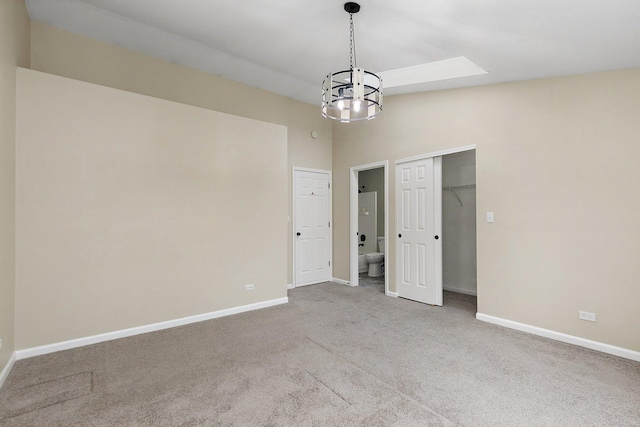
(14, 51)
(62, 53)
(132, 210)
(556, 162)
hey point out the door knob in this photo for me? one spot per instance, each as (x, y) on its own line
(399, 235)
(298, 233)
(437, 237)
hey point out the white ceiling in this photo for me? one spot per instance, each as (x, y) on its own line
(288, 46)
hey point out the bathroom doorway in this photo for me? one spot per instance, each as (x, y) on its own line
(369, 226)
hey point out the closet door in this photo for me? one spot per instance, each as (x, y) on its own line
(418, 227)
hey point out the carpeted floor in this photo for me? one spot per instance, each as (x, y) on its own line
(333, 356)
(372, 282)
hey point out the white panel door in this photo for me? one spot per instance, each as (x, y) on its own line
(418, 226)
(312, 228)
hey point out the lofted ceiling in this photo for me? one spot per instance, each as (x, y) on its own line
(288, 46)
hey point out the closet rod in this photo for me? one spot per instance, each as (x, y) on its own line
(457, 187)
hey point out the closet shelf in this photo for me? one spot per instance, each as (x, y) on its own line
(459, 187)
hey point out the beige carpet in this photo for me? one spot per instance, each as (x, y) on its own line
(333, 356)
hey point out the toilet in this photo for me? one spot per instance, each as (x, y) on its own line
(375, 260)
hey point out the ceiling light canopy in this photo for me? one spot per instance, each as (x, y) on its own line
(354, 94)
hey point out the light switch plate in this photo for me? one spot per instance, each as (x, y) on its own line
(489, 216)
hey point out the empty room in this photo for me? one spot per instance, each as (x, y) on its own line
(319, 213)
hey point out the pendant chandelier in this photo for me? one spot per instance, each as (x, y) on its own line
(354, 94)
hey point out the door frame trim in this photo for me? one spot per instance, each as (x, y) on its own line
(292, 229)
(437, 153)
(353, 221)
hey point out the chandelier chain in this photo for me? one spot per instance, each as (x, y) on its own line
(353, 61)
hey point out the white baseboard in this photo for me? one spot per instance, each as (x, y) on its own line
(7, 369)
(392, 294)
(460, 290)
(291, 286)
(559, 336)
(80, 342)
(299, 285)
(340, 281)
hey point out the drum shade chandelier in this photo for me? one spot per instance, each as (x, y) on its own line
(354, 94)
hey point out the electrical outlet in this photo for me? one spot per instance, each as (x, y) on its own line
(0, 342)
(248, 287)
(585, 315)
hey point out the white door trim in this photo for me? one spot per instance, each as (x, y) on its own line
(437, 220)
(437, 153)
(295, 169)
(353, 221)
(303, 169)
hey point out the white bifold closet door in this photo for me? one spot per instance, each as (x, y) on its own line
(419, 228)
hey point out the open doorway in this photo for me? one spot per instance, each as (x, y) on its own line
(371, 236)
(369, 226)
(459, 271)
